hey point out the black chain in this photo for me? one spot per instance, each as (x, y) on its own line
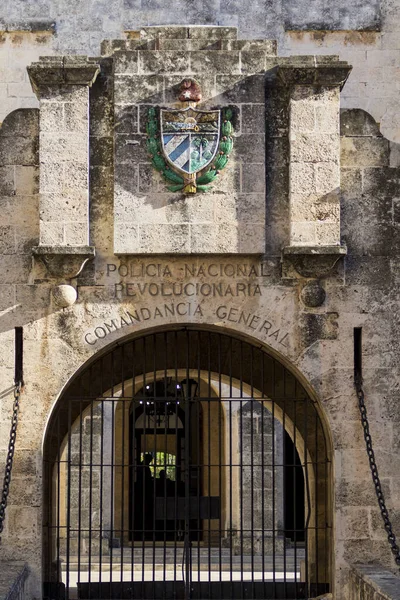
(374, 472)
(10, 455)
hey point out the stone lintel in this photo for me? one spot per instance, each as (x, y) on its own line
(325, 71)
(312, 261)
(62, 70)
(63, 262)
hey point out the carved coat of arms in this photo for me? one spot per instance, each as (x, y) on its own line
(187, 145)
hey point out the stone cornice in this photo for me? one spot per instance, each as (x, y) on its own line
(63, 70)
(312, 261)
(325, 71)
(63, 262)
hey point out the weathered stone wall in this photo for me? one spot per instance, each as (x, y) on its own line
(307, 323)
(364, 33)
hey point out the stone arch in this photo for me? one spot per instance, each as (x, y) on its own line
(266, 378)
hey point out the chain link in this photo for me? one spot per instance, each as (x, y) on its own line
(374, 472)
(10, 455)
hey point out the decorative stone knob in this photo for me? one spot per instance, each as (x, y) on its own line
(313, 294)
(64, 295)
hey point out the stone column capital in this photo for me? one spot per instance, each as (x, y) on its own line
(321, 71)
(62, 71)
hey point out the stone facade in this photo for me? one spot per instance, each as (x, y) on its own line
(297, 293)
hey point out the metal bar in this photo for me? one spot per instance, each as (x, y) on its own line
(123, 435)
(80, 487)
(188, 566)
(176, 453)
(358, 354)
(263, 476)
(199, 472)
(142, 465)
(241, 469)
(294, 492)
(308, 495)
(19, 356)
(154, 340)
(68, 502)
(101, 482)
(112, 450)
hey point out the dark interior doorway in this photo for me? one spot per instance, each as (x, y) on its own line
(293, 492)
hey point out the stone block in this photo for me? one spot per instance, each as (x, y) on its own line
(125, 63)
(51, 178)
(7, 296)
(268, 47)
(302, 116)
(154, 62)
(164, 238)
(303, 207)
(250, 147)
(327, 234)
(130, 149)
(217, 62)
(216, 238)
(251, 238)
(327, 177)
(138, 88)
(302, 178)
(51, 234)
(101, 151)
(354, 523)
(303, 233)
(76, 118)
(26, 180)
(63, 148)
(149, 179)
(189, 44)
(314, 147)
(252, 118)
(351, 182)
(253, 178)
(7, 181)
(23, 521)
(327, 117)
(364, 152)
(241, 207)
(210, 32)
(21, 123)
(7, 239)
(63, 206)
(254, 61)
(76, 234)
(170, 32)
(126, 119)
(23, 151)
(250, 88)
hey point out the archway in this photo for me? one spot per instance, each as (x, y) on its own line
(211, 410)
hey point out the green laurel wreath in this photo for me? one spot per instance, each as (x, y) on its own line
(157, 159)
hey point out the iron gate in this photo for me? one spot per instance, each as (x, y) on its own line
(186, 464)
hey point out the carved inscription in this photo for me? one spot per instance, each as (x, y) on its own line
(156, 279)
(248, 319)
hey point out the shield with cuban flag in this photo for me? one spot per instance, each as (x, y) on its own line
(189, 138)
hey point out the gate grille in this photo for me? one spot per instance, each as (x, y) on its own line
(186, 464)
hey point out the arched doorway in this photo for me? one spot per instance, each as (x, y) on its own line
(167, 470)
